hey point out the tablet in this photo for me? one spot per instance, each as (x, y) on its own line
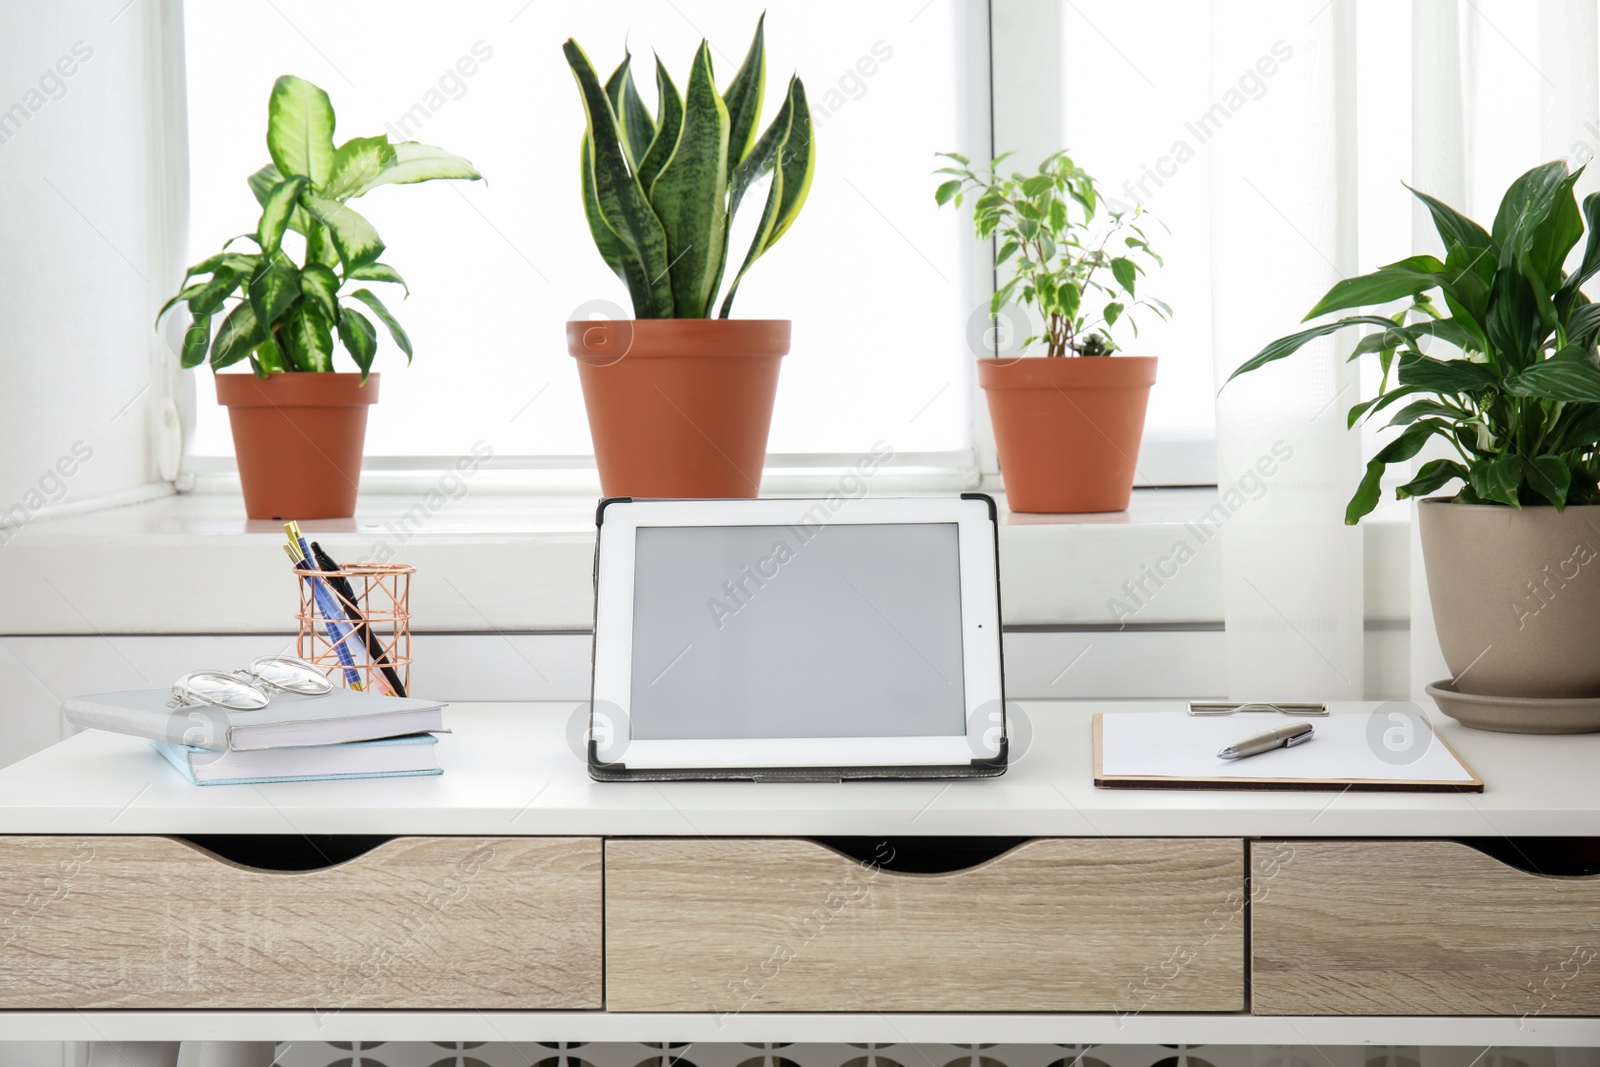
(797, 639)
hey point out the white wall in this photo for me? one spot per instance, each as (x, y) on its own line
(83, 248)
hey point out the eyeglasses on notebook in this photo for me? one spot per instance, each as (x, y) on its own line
(249, 688)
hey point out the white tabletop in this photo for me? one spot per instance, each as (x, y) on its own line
(510, 770)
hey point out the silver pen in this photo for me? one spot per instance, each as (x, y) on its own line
(1286, 736)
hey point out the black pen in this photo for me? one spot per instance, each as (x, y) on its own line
(346, 592)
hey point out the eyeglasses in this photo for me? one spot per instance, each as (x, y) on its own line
(249, 688)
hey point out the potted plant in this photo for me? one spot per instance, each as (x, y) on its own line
(679, 402)
(298, 426)
(1067, 426)
(1510, 554)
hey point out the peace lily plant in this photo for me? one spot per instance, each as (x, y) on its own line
(299, 436)
(686, 413)
(1516, 408)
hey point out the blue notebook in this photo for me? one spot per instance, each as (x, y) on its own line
(389, 757)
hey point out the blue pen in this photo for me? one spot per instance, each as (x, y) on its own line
(332, 614)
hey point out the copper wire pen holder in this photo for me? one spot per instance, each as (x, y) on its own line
(382, 596)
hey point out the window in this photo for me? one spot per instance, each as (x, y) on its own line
(878, 280)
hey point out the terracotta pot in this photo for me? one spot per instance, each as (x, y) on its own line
(679, 407)
(298, 438)
(1068, 429)
(1516, 597)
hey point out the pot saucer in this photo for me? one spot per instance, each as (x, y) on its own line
(1518, 715)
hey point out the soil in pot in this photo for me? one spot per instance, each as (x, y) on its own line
(1516, 596)
(679, 407)
(1068, 429)
(299, 439)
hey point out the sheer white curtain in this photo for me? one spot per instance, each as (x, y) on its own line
(1305, 178)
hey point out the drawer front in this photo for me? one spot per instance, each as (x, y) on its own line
(1052, 925)
(1417, 928)
(421, 922)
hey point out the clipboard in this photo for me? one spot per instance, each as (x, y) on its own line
(1358, 760)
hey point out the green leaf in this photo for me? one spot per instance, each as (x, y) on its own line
(1378, 403)
(1572, 374)
(367, 297)
(281, 202)
(1454, 228)
(949, 189)
(195, 341)
(1513, 323)
(1445, 375)
(744, 95)
(1287, 346)
(320, 286)
(300, 130)
(319, 244)
(690, 195)
(763, 156)
(1124, 271)
(357, 162)
(308, 338)
(669, 124)
(1404, 447)
(1525, 206)
(273, 289)
(239, 334)
(1550, 477)
(1398, 280)
(354, 238)
(794, 164)
(1569, 290)
(1111, 314)
(360, 339)
(619, 202)
(1418, 408)
(1556, 235)
(204, 298)
(378, 272)
(617, 255)
(1430, 476)
(1498, 479)
(415, 163)
(638, 128)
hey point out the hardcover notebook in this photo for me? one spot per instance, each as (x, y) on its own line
(290, 720)
(391, 757)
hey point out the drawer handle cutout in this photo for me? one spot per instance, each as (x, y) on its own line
(1561, 857)
(287, 852)
(922, 855)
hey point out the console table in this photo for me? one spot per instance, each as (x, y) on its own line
(513, 899)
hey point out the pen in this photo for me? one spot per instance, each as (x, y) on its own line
(1286, 736)
(347, 595)
(330, 616)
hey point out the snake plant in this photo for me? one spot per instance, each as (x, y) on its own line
(660, 191)
(285, 316)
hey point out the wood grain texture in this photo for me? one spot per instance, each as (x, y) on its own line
(422, 922)
(1070, 924)
(1417, 928)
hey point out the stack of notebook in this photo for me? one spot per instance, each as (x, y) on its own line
(343, 734)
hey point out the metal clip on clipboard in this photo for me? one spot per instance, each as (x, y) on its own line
(1228, 707)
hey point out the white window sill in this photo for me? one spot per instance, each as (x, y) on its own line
(515, 561)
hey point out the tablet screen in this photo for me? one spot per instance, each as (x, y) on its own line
(794, 631)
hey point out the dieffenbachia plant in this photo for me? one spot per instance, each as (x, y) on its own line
(1521, 406)
(283, 316)
(660, 191)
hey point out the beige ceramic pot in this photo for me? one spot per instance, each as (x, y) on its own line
(1516, 597)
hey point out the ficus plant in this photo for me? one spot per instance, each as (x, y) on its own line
(1082, 277)
(660, 191)
(283, 316)
(1519, 406)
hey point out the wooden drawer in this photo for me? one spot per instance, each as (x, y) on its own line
(1417, 928)
(1052, 925)
(417, 922)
